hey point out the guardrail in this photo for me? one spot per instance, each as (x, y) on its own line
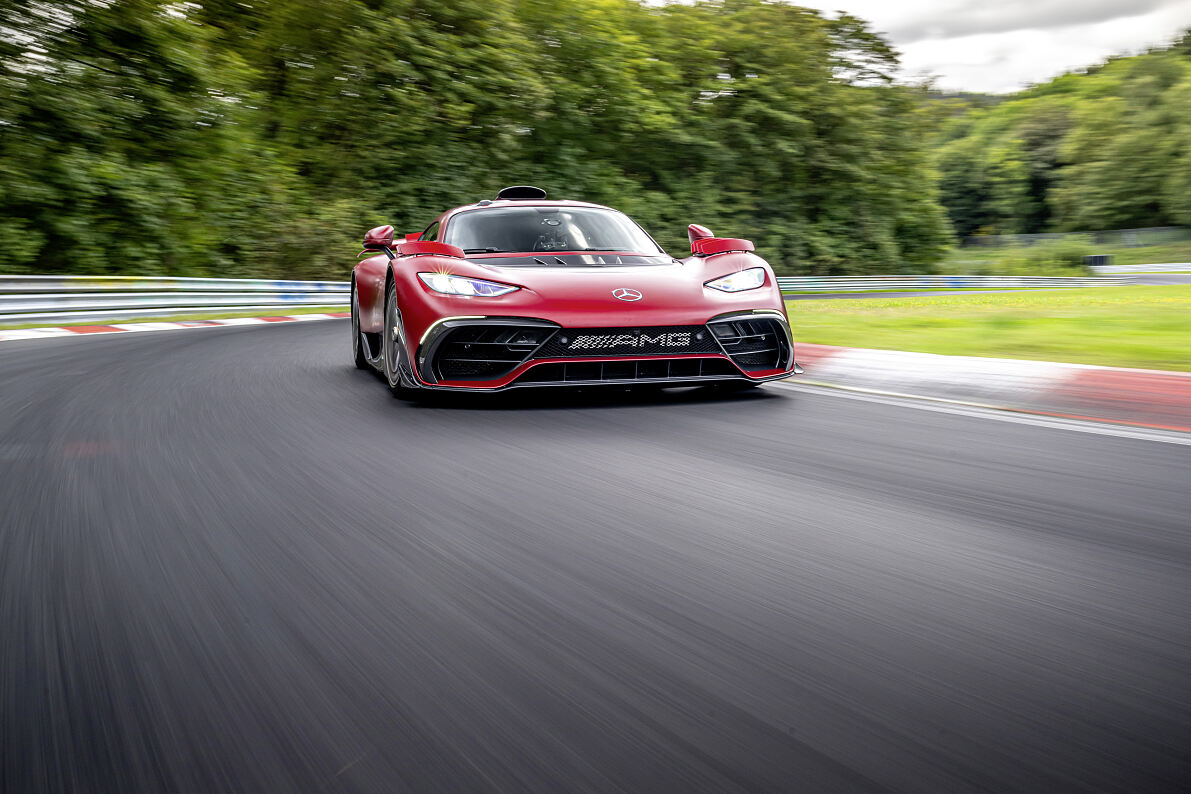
(1170, 267)
(789, 284)
(35, 299)
(1130, 238)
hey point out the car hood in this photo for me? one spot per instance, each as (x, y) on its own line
(598, 283)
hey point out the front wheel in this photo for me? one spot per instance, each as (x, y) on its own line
(396, 368)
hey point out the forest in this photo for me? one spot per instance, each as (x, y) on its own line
(1108, 147)
(232, 139)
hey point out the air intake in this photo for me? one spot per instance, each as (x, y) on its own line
(521, 193)
(485, 352)
(754, 343)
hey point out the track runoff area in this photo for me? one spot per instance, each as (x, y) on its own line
(235, 564)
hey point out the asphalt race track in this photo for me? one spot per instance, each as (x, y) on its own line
(231, 562)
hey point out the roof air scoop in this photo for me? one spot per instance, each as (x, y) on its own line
(521, 193)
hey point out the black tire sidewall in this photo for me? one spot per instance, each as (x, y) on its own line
(357, 346)
(391, 364)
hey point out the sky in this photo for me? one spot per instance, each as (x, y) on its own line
(1002, 45)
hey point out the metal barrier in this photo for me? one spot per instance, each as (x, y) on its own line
(1170, 267)
(789, 284)
(35, 299)
(1129, 238)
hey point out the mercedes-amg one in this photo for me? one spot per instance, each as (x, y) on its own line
(522, 291)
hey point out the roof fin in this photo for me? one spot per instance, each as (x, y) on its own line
(520, 192)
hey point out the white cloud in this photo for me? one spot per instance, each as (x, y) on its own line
(986, 45)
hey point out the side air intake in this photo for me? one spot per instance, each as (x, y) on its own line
(753, 343)
(484, 351)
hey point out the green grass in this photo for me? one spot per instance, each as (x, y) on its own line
(280, 311)
(1148, 327)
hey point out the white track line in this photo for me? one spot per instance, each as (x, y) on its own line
(981, 411)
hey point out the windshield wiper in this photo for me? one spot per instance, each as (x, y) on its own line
(485, 251)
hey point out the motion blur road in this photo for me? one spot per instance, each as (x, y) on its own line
(231, 562)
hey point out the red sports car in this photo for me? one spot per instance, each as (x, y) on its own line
(522, 291)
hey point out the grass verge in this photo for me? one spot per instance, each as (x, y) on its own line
(280, 311)
(1135, 326)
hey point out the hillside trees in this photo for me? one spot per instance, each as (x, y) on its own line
(225, 138)
(125, 146)
(1102, 150)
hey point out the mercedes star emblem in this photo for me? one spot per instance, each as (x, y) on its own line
(626, 294)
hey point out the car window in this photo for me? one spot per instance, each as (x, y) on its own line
(431, 232)
(547, 229)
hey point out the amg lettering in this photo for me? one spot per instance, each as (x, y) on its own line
(605, 341)
(665, 340)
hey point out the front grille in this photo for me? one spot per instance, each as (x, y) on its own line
(485, 352)
(675, 369)
(755, 344)
(645, 341)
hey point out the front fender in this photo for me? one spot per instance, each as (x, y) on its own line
(369, 276)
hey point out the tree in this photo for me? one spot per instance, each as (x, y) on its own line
(234, 139)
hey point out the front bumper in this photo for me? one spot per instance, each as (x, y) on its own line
(498, 353)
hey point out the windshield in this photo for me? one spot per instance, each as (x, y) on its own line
(545, 229)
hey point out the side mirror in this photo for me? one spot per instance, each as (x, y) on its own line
(379, 239)
(695, 232)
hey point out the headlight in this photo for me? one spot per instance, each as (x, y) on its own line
(738, 282)
(459, 285)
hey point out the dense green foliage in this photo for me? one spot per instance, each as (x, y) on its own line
(1107, 148)
(231, 138)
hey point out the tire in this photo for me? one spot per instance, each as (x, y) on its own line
(393, 355)
(357, 343)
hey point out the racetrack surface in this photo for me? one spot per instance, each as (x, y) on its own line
(231, 562)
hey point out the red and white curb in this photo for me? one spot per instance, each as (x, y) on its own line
(120, 328)
(1146, 398)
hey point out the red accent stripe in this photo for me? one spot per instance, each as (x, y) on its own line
(528, 365)
(276, 319)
